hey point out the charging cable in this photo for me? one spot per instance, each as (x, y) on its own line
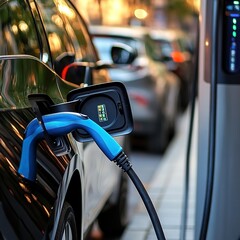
(189, 143)
(59, 124)
(212, 131)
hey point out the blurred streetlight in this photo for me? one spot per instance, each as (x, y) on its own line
(114, 12)
(195, 4)
(140, 13)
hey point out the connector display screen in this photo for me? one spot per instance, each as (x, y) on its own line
(102, 113)
(232, 35)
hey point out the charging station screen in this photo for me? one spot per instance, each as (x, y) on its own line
(102, 113)
(232, 34)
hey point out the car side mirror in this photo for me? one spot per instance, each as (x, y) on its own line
(123, 54)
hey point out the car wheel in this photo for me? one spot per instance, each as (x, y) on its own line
(67, 224)
(113, 220)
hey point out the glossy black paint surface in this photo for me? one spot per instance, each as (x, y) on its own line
(31, 210)
(27, 206)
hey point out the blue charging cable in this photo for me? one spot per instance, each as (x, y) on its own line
(59, 124)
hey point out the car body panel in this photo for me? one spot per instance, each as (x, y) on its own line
(83, 176)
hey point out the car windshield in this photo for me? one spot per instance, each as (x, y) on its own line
(104, 44)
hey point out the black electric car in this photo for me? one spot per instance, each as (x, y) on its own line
(40, 42)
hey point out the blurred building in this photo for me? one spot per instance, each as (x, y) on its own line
(105, 12)
(154, 13)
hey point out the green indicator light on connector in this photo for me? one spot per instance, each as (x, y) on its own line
(234, 20)
(234, 34)
(102, 113)
(234, 27)
(236, 2)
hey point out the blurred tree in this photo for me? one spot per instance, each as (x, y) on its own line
(146, 2)
(182, 13)
(179, 8)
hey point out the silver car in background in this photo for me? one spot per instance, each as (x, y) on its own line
(176, 48)
(153, 90)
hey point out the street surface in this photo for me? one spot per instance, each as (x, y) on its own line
(145, 165)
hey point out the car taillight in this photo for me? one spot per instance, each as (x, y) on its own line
(178, 57)
(139, 99)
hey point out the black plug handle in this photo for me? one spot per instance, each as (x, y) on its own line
(42, 104)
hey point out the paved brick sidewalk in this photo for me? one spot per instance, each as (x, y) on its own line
(166, 190)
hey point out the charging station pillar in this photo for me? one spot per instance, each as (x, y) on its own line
(219, 60)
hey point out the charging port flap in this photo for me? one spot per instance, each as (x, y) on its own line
(107, 104)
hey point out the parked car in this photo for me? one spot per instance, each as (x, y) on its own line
(39, 41)
(153, 90)
(176, 49)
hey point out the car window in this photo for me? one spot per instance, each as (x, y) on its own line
(17, 32)
(65, 30)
